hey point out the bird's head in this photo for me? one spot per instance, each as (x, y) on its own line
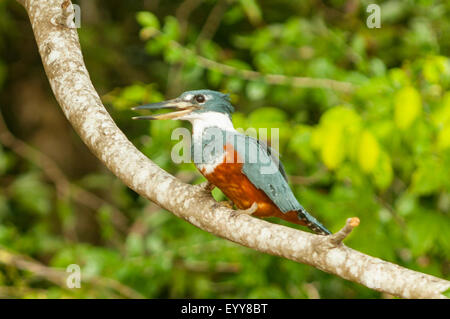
(191, 105)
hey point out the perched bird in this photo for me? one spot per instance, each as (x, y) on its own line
(242, 167)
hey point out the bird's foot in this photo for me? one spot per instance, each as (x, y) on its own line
(248, 211)
(227, 203)
(207, 187)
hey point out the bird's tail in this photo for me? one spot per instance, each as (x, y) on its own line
(312, 223)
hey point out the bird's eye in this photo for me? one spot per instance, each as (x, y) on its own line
(199, 98)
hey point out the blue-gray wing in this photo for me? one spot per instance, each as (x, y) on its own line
(265, 172)
(271, 152)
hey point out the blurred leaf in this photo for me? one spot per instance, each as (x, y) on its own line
(342, 116)
(30, 193)
(214, 77)
(443, 139)
(368, 152)
(337, 126)
(209, 50)
(234, 84)
(441, 115)
(422, 232)
(135, 245)
(6, 161)
(256, 90)
(408, 105)
(332, 148)
(267, 117)
(133, 95)
(428, 177)
(252, 10)
(239, 120)
(301, 144)
(171, 28)
(105, 221)
(406, 204)
(433, 67)
(147, 19)
(399, 77)
(234, 15)
(383, 173)
(267, 63)
(173, 54)
(377, 67)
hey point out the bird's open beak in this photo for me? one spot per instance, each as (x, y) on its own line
(181, 107)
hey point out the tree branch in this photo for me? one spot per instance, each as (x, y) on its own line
(336, 239)
(251, 75)
(212, 21)
(63, 62)
(59, 276)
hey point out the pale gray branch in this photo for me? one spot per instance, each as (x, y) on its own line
(63, 62)
(337, 238)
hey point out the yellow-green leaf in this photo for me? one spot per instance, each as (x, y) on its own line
(408, 105)
(343, 116)
(442, 114)
(434, 67)
(332, 147)
(368, 152)
(317, 138)
(443, 139)
(398, 77)
(147, 19)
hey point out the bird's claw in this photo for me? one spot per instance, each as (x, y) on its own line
(206, 187)
(227, 203)
(248, 211)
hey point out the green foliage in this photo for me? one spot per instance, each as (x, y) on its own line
(380, 152)
(147, 19)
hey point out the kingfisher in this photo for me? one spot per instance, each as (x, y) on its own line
(244, 168)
